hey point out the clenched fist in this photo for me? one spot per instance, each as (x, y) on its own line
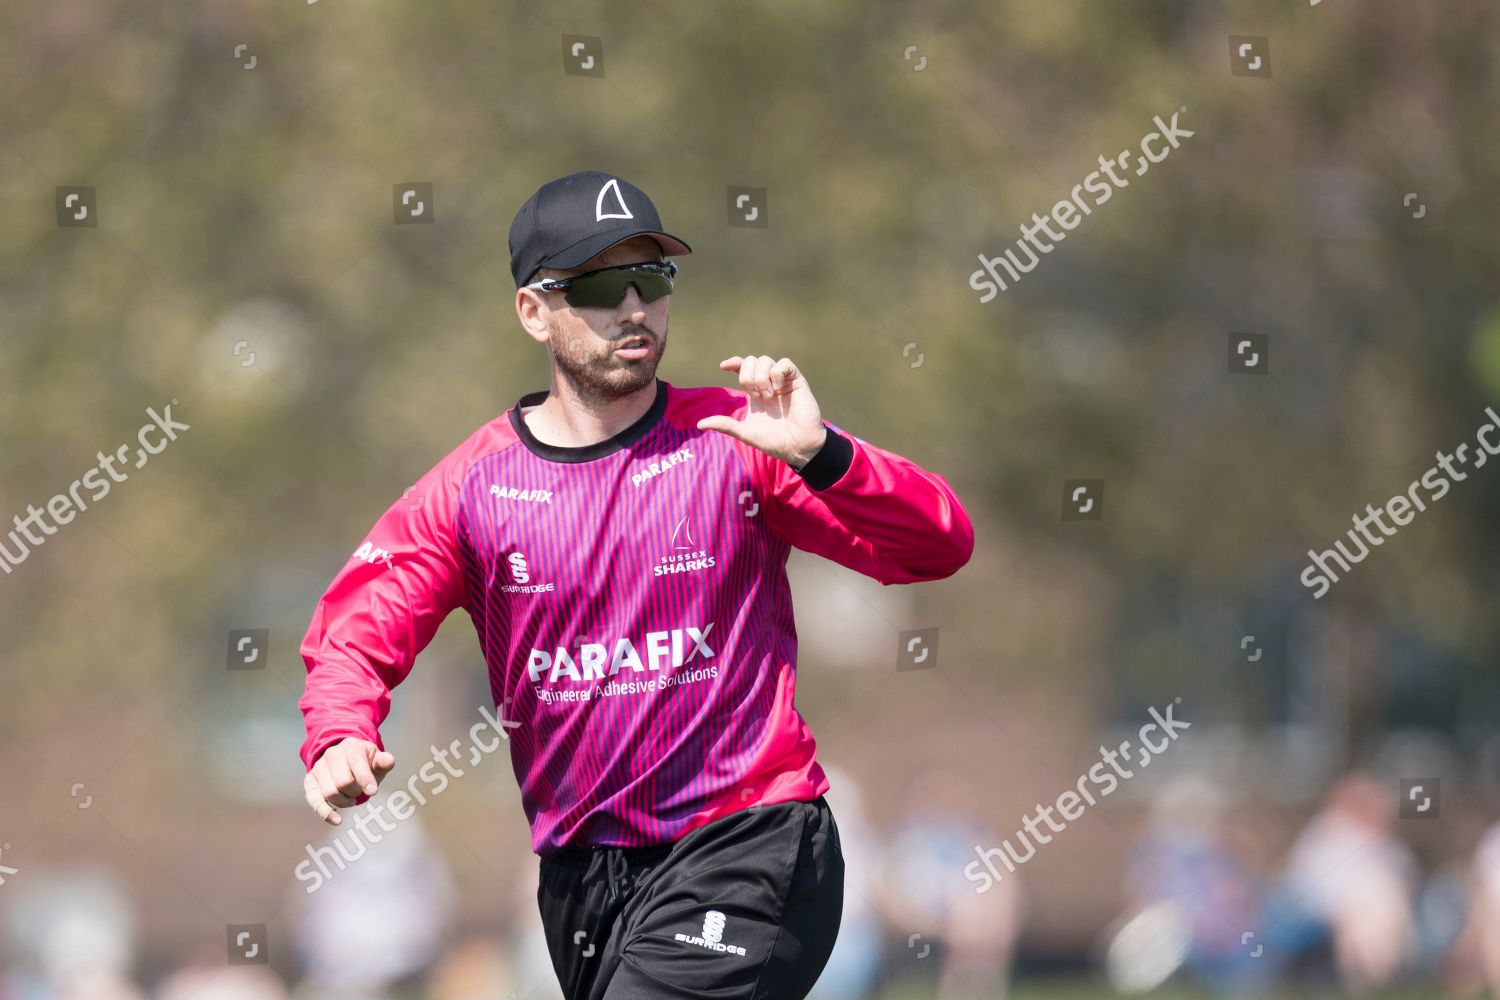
(346, 770)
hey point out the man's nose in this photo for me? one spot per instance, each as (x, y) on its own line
(632, 302)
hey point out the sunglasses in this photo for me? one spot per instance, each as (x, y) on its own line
(606, 287)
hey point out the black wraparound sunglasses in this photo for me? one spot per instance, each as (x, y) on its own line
(606, 286)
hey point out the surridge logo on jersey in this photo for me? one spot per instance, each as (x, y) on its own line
(666, 648)
(712, 935)
(656, 468)
(520, 573)
(511, 493)
(684, 556)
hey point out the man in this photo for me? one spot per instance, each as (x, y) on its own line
(620, 544)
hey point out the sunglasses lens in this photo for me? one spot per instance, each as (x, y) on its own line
(607, 288)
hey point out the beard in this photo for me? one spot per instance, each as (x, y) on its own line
(593, 369)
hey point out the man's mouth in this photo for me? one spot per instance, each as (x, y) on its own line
(634, 347)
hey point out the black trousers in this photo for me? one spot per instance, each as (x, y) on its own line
(747, 906)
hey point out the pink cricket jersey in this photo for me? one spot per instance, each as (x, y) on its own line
(632, 604)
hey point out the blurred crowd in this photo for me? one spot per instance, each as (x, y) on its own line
(1350, 906)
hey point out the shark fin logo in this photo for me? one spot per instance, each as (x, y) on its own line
(683, 533)
(600, 214)
(684, 555)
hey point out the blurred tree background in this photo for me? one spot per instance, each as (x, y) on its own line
(245, 212)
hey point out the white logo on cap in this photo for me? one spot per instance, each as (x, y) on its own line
(600, 214)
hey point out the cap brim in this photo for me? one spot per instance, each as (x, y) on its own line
(584, 250)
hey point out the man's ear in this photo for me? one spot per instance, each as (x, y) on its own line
(529, 310)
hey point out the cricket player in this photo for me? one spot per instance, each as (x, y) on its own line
(620, 544)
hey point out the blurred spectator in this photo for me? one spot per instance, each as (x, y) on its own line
(477, 969)
(854, 967)
(1481, 942)
(1202, 905)
(1438, 918)
(1349, 884)
(970, 935)
(379, 922)
(216, 981)
(74, 938)
(534, 960)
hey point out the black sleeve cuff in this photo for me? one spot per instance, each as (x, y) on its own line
(830, 463)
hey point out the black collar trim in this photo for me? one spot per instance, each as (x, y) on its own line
(588, 452)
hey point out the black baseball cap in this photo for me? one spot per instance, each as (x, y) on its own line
(571, 219)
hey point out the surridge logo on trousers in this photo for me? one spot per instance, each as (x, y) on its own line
(712, 935)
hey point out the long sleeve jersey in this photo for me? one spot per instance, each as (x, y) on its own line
(632, 605)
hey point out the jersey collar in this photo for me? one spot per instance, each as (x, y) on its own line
(586, 453)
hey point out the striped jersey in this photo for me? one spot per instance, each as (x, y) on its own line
(632, 605)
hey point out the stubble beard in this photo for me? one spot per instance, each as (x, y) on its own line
(604, 376)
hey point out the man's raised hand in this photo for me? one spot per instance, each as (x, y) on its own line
(782, 418)
(346, 770)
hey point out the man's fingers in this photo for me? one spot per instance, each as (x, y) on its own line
(344, 777)
(757, 372)
(382, 761)
(761, 375)
(330, 790)
(319, 804)
(339, 771)
(719, 422)
(359, 768)
(763, 366)
(783, 374)
(351, 768)
(746, 368)
(753, 375)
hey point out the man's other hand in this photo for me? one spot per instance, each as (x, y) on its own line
(346, 770)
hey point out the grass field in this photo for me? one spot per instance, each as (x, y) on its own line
(1085, 989)
(1089, 989)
